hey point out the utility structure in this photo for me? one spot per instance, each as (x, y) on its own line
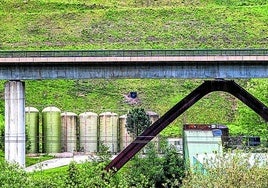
(17, 66)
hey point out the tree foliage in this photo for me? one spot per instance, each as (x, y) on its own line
(137, 121)
(154, 170)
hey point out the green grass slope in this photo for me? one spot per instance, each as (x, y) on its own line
(135, 24)
(119, 25)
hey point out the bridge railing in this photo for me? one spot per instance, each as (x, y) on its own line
(133, 53)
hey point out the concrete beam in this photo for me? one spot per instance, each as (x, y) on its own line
(15, 122)
(200, 67)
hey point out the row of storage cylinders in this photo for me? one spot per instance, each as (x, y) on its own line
(68, 132)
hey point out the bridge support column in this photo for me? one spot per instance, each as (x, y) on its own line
(15, 122)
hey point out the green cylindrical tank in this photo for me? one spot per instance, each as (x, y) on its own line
(125, 138)
(51, 124)
(88, 132)
(109, 130)
(32, 129)
(68, 131)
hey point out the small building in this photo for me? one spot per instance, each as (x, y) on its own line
(202, 139)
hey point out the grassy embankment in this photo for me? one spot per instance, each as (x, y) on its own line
(58, 25)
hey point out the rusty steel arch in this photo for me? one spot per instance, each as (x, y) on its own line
(209, 86)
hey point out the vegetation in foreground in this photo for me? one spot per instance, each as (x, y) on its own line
(147, 171)
(150, 170)
(227, 171)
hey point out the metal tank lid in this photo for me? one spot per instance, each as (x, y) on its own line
(51, 109)
(151, 113)
(108, 114)
(123, 116)
(68, 114)
(84, 114)
(31, 109)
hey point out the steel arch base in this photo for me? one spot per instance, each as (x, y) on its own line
(209, 86)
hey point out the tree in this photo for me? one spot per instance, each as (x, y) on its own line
(137, 121)
(154, 170)
(173, 167)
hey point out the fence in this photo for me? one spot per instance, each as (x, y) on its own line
(134, 53)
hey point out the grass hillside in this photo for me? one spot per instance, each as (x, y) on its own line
(136, 24)
(173, 24)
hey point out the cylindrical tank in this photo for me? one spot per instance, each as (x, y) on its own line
(88, 132)
(51, 124)
(125, 138)
(109, 130)
(68, 131)
(153, 118)
(32, 129)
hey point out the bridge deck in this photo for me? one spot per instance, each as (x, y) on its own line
(27, 60)
(230, 64)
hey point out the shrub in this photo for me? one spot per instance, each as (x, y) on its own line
(156, 170)
(173, 167)
(230, 170)
(12, 175)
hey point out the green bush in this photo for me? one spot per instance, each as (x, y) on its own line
(156, 170)
(12, 175)
(231, 170)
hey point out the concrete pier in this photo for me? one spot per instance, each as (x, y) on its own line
(15, 122)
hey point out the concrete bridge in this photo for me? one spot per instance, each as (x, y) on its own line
(201, 64)
(31, 65)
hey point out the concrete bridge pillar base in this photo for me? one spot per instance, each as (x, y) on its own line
(15, 122)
